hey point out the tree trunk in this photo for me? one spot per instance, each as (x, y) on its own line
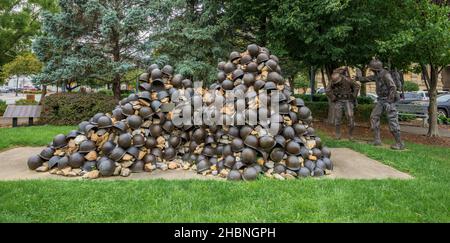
(433, 130)
(324, 82)
(43, 94)
(116, 87)
(331, 113)
(312, 81)
(363, 89)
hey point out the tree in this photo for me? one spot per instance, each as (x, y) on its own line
(19, 21)
(425, 40)
(25, 64)
(95, 39)
(192, 37)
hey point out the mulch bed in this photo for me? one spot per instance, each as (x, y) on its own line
(363, 132)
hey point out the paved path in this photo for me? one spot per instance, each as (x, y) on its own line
(424, 130)
(348, 164)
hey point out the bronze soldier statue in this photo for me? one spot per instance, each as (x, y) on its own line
(387, 97)
(343, 92)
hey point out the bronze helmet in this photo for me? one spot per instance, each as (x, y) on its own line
(267, 142)
(293, 163)
(229, 67)
(138, 140)
(279, 168)
(150, 142)
(202, 166)
(246, 59)
(303, 172)
(86, 146)
(108, 147)
(169, 153)
(174, 141)
(271, 64)
(76, 160)
(234, 55)
(125, 140)
(237, 145)
(34, 162)
(245, 131)
(167, 70)
(137, 166)
(252, 141)
(252, 67)
(250, 174)
(253, 50)
(277, 154)
(133, 151)
(293, 148)
(248, 156)
(262, 57)
(59, 141)
(234, 175)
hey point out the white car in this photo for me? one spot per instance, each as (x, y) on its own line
(423, 95)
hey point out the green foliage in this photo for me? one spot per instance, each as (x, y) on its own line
(323, 98)
(406, 117)
(94, 41)
(301, 81)
(72, 108)
(20, 22)
(24, 64)
(3, 106)
(26, 102)
(320, 111)
(410, 86)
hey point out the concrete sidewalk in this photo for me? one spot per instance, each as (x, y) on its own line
(348, 164)
(423, 130)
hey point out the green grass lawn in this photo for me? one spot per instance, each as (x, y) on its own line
(426, 198)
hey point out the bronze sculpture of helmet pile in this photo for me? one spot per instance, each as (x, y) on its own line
(140, 133)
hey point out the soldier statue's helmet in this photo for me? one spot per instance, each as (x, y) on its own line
(253, 50)
(59, 141)
(87, 146)
(203, 165)
(234, 175)
(252, 67)
(249, 174)
(34, 162)
(117, 154)
(229, 67)
(47, 153)
(106, 167)
(234, 55)
(336, 77)
(221, 65)
(376, 65)
(104, 122)
(248, 156)
(156, 74)
(167, 70)
(138, 140)
(144, 77)
(238, 73)
(108, 147)
(76, 160)
(293, 163)
(246, 59)
(262, 57)
(134, 121)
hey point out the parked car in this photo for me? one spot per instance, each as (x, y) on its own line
(29, 88)
(409, 97)
(423, 95)
(320, 90)
(443, 104)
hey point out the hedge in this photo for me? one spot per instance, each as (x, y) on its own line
(3, 106)
(26, 102)
(72, 108)
(362, 112)
(323, 98)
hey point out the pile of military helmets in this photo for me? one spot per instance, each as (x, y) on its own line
(140, 135)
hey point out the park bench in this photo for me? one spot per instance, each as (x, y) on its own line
(418, 111)
(22, 111)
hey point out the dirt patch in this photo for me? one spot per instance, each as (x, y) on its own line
(363, 132)
(348, 164)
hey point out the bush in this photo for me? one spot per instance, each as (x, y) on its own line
(362, 111)
(406, 117)
(26, 102)
(410, 86)
(323, 98)
(72, 108)
(3, 106)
